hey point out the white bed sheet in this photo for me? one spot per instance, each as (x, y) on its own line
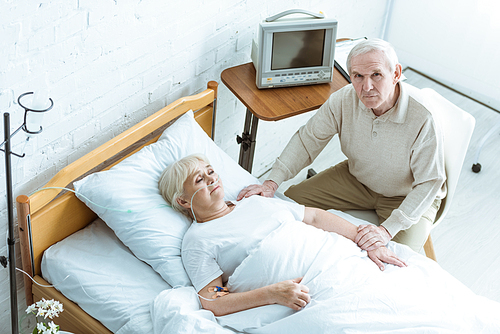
(115, 293)
(94, 269)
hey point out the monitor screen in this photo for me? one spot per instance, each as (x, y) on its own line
(296, 49)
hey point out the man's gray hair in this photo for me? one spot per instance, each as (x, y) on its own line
(371, 45)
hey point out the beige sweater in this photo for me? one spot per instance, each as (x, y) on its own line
(399, 153)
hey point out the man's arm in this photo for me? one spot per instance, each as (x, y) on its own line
(288, 293)
(301, 150)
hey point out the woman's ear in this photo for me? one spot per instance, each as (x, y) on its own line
(185, 204)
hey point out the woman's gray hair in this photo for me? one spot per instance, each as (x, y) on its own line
(171, 183)
(374, 44)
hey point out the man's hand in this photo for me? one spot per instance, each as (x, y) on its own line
(383, 255)
(267, 189)
(371, 237)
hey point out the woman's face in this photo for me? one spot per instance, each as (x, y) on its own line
(207, 187)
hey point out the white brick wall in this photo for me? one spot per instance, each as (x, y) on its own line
(110, 64)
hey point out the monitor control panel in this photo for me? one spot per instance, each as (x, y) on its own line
(296, 78)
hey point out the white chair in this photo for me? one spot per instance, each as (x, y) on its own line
(457, 126)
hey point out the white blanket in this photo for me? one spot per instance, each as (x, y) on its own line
(349, 293)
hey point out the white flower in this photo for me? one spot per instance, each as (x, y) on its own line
(58, 306)
(31, 309)
(41, 313)
(47, 309)
(53, 327)
(51, 314)
(42, 303)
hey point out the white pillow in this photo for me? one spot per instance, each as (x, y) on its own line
(152, 231)
(95, 270)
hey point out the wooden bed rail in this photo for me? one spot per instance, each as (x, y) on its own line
(55, 216)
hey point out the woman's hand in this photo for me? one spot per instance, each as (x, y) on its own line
(287, 293)
(267, 189)
(290, 293)
(382, 254)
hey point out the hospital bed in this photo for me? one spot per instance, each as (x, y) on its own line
(49, 216)
(109, 248)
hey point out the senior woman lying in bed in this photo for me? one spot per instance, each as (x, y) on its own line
(224, 234)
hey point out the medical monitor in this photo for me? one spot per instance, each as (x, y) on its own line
(294, 51)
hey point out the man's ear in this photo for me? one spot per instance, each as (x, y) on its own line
(398, 73)
(185, 204)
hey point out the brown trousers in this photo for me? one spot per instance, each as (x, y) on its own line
(336, 188)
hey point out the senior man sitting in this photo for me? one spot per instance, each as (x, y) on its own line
(394, 149)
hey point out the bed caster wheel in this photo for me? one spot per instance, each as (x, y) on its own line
(476, 168)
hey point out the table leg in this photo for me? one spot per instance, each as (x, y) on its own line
(247, 141)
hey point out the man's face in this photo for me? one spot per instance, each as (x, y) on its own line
(374, 82)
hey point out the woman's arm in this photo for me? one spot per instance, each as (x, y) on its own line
(332, 223)
(288, 293)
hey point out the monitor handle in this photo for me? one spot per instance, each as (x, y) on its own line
(295, 11)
